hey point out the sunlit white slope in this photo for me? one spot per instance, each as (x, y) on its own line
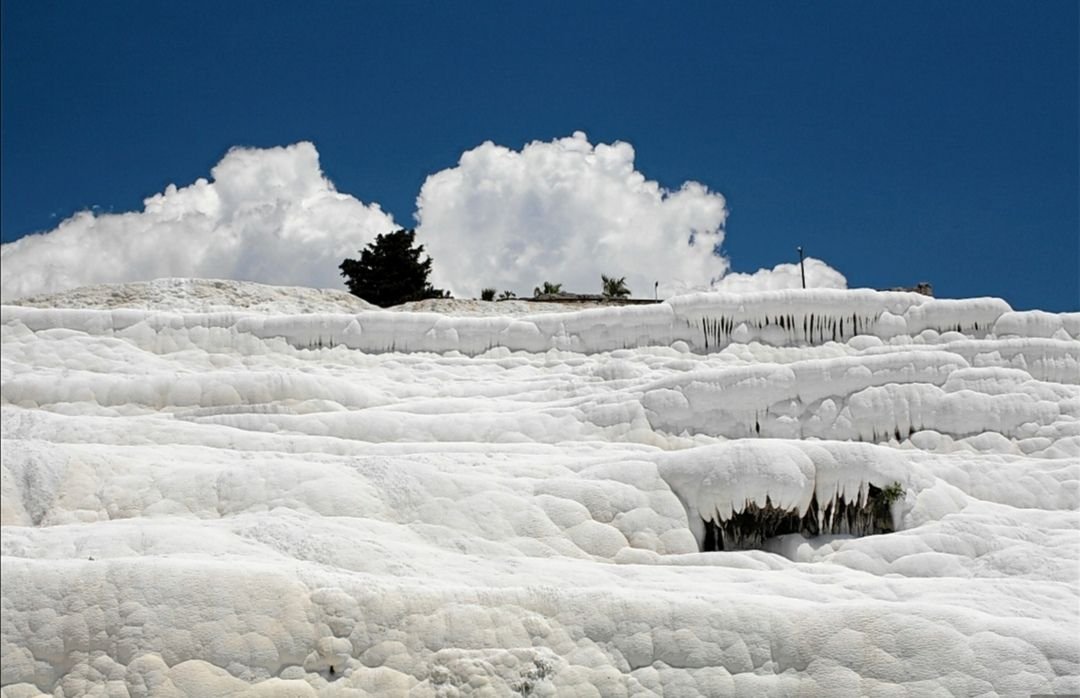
(201, 499)
(203, 296)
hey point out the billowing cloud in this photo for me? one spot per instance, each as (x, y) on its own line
(268, 215)
(566, 212)
(818, 275)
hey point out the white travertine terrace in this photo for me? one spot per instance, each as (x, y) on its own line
(269, 492)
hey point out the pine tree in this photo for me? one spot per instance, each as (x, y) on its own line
(390, 271)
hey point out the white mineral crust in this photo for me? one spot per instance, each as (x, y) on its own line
(215, 488)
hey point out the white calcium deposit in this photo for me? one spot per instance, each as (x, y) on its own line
(272, 492)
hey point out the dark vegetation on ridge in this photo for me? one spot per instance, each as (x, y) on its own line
(390, 271)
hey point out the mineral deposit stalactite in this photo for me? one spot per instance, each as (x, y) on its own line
(751, 527)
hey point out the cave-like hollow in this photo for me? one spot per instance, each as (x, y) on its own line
(750, 528)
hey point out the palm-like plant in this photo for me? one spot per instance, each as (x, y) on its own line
(507, 295)
(615, 288)
(547, 289)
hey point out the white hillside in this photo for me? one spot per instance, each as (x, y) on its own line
(202, 296)
(213, 490)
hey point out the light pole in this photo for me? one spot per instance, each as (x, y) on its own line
(802, 267)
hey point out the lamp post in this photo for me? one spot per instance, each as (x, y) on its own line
(802, 267)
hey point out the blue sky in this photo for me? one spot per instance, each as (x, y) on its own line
(899, 142)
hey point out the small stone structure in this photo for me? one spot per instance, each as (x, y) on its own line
(587, 298)
(923, 287)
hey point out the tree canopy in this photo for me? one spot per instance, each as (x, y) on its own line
(390, 271)
(615, 288)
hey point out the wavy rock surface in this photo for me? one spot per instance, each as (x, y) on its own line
(205, 500)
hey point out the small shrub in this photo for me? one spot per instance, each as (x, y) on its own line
(892, 493)
(547, 289)
(488, 294)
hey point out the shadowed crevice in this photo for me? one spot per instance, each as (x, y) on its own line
(751, 527)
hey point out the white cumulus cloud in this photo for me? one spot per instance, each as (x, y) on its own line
(267, 215)
(818, 275)
(566, 212)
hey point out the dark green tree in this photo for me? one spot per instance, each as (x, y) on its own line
(390, 271)
(615, 288)
(487, 294)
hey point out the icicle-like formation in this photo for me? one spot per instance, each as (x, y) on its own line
(749, 528)
(1013, 387)
(794, 317)
(706, 322)
(749, 490)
